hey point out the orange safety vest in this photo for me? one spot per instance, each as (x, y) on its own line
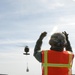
(56, 63)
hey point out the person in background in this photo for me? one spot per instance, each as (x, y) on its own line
(56, 60)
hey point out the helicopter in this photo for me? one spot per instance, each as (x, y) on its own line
(26, 50)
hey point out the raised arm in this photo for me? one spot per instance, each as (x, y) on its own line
(37, 49)
(68, 45)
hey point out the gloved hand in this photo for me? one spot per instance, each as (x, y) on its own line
(43, 35)
(66, 34)
(68, 45)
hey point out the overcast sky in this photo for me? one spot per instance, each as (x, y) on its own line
(21, 23)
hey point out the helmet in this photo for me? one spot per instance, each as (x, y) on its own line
(57, 39)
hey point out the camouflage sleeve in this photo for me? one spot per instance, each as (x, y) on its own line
(37, 50)
(68, 46)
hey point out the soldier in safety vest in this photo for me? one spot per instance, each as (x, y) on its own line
(58, 60)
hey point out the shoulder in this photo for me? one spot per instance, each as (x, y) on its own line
(45, 51)
(69, 53)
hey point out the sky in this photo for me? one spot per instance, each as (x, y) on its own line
(22, 22)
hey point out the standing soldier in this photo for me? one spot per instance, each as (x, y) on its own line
(55, 61)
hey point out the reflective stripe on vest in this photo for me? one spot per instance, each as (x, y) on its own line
(45, 64)
(70, 62)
